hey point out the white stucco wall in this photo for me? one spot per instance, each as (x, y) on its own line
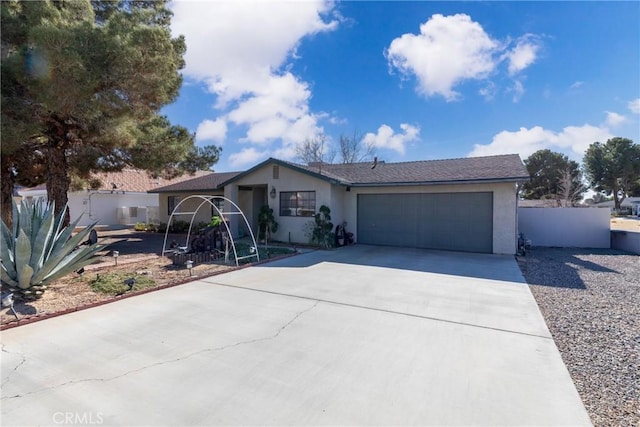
(566, 227)
(203, 214)
(504, 207)
(625, 240)
(290, 228)
(343, 203)
(103, 205)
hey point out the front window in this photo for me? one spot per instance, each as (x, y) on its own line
(297, 203)
(172, 203)
(218, 203)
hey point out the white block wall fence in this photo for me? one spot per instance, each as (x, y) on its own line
(626, 241)
(566, 227)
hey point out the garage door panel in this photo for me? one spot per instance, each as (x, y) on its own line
(449, 221)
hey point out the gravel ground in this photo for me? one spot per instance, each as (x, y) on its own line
(590, 299)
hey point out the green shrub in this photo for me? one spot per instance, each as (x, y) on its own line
(200, 226)
(113, 283)
(140, 226)
(267, 224)
(179, 226)
(322, 228)
(215, 221)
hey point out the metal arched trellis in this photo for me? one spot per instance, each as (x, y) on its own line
(224, 215)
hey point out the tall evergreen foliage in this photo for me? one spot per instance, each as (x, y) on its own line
(614, 168)
(553, 176)
(82, 85)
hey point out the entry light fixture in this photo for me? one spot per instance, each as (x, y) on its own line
(272, 193)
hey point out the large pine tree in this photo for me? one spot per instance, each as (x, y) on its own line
(553, 176)
(82, 85)
(614, 168)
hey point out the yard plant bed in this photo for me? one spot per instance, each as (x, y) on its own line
(590, 300)
(150, 272)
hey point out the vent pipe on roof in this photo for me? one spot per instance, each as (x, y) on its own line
(375, 162)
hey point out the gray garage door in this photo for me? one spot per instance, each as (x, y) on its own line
(448, 221)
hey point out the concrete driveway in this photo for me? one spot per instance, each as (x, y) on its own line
(357, 336)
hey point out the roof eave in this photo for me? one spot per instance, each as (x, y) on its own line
(444, 182)
(284, 164)
(189, 190)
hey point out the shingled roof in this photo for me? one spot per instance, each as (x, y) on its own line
(132, 180)
(506, 167)
(491, 168)
(208, 182)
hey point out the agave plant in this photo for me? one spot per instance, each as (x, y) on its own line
(40, 249)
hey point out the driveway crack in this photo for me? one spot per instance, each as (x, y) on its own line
(273, 336)
(23, 360)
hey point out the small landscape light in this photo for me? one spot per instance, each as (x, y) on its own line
(252, 249)
(7, 301)
(116, 254)
(189, 265)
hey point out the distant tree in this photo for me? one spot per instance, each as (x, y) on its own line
(634, 189)
(570, 190)
(82, 84)
(613, 167)
(353, 149)
(553, 176)
(315, 150)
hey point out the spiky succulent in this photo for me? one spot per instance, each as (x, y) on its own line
(39, 249)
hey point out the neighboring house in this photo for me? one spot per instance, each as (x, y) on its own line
(122, 198)
(632, 203)
(541, 203)
(467, 204)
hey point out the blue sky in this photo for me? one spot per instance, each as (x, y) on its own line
(419, 80)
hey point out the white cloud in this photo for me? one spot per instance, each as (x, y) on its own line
(488, 92)
(234, 45)
(241, 50)
(576, 85)
(614, 119)
(212, 130)
(452, 49)
(523, 54)
(634, 106)
(387, 138)
(246, 156)
(573, 140)
(518, 90)
(278, 110)
(448, 50)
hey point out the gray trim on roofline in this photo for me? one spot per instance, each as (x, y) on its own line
(191, 190)
(285, 164)
(461, 181)
(380, 184)
(340, 182)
